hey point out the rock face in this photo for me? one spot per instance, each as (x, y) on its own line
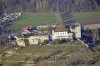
(49, 5)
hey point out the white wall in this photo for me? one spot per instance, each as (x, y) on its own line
(77, 31)
(36, 39)
(60, 35)
(20, 41)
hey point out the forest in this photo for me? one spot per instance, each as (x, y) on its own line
(49, 5)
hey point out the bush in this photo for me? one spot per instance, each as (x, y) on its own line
(57, 41)
(3, 40)
(26, 42)
(45, 42)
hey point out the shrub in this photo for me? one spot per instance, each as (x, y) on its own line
(45, 42)
(26, 42)
(57, 41)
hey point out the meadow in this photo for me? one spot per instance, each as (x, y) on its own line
(33, 19)
(36, 19)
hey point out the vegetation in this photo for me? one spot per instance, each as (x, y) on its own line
(33, 19)
(86, 15)
(81, 16)
(44, 12)
(26, 41)
(55, 55)
(49, 5)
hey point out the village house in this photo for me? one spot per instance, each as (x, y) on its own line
(45, 30)
(76, 30)
(60, 32)
(32, 40)
(70, 32)
(37, 39)
(95, 31)
(52, 33)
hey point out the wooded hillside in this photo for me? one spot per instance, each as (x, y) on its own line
(48, 5)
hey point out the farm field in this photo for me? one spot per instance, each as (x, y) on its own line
(87, 17)
(35, 19)
(84, 18)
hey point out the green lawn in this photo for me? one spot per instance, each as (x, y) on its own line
(33, 19)
(86, 15)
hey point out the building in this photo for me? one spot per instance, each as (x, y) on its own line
(70, 32)
(76, 30)
(20, 41)
(95, 30)
(45, 30)
(37, 39)
(52, 33)
(60, 32)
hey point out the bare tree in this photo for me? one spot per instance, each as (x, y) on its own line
(49, 5)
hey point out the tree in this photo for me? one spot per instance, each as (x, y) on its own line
(49, 5)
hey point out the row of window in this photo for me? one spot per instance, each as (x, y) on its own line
(61, 33)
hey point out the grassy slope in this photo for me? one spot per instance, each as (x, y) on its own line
(36, 51)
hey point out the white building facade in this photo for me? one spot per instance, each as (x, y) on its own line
(59, 35)
(76, 30)
(60, 32)
(33, 40)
